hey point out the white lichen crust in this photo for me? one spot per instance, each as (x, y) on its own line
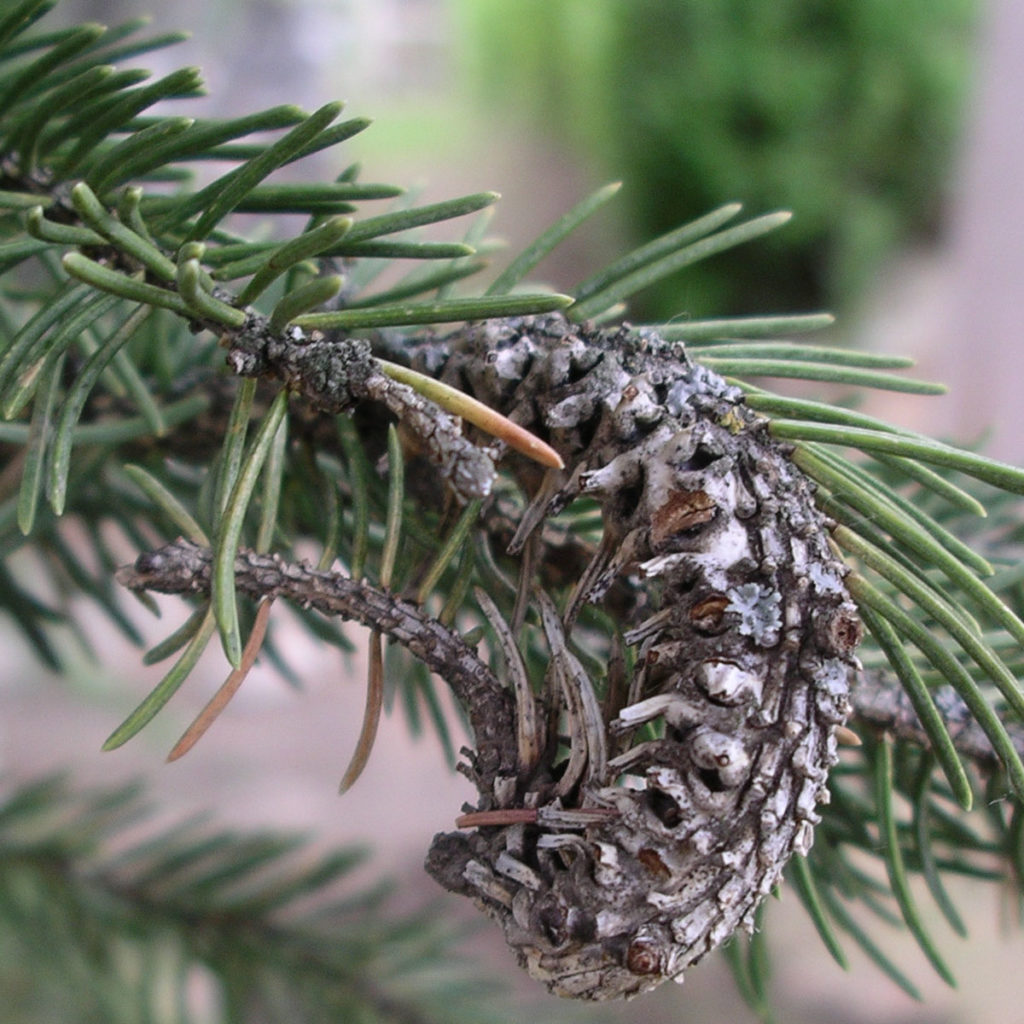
(617, 868)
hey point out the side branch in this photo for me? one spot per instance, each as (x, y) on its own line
(333, 372)
(184, 568)
(880, 701)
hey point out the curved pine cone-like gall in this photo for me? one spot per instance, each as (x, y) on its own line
(616, 858)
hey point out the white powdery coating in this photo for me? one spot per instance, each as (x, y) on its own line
(728, 683)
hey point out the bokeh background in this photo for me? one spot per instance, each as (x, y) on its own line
(891, 129)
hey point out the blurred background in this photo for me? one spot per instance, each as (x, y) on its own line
(892, 130)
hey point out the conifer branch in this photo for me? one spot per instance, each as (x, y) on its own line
(119, 306)
(263, 917)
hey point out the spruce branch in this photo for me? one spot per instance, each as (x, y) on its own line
(674, 553)
(277, 935)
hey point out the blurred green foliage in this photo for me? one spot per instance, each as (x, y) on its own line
(847, 111)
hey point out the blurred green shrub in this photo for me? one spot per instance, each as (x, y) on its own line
(846, 111)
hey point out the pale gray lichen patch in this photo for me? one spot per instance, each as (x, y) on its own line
(759, 610)
(825, 579)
